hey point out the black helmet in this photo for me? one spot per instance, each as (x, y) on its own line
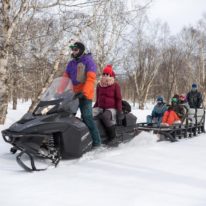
(80, 46)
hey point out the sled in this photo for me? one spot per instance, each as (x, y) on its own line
(193, 124)
(53, 132)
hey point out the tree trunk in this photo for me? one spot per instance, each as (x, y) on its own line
(14, 94)
(3, 87)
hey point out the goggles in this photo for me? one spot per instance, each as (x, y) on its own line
(106, 74)
(75, 49)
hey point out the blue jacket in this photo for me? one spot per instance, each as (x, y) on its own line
(159, 110)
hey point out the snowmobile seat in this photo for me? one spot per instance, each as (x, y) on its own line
(129, 120)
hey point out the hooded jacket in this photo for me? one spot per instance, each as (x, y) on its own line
(82, 72)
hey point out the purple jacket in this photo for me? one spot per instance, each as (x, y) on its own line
(77, 69)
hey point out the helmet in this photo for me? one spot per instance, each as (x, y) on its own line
(79, 47)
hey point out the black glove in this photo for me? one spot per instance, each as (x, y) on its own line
(79, 95)
(120, 117)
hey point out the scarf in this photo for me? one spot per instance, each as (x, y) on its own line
(106, 81)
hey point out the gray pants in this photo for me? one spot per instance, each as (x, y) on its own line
(108, 116)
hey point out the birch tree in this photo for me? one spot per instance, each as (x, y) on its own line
(11, 14)
(110, 22)
(143, 60)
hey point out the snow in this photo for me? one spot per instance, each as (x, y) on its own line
(142, 172)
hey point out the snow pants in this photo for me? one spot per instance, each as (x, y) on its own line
(108, 119)
(157, 120)
(85, 106)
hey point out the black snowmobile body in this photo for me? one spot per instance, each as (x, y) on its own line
(193, 124)
(52, 131)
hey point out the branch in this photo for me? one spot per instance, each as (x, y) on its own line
(65, 3)
(19, 14)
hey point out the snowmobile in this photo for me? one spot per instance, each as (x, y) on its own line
(54, 132)
(193, 123)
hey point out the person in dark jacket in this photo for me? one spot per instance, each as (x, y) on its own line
(194, 97)
(82, 72)
(108, 106)
(157, 112)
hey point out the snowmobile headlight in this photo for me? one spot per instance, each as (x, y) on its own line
(7, 138)
(46, 109)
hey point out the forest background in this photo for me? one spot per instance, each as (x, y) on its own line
(148, 58)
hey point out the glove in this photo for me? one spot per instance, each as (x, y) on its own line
(79, 95)
(120, 117)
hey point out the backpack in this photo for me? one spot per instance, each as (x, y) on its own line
(126, 108)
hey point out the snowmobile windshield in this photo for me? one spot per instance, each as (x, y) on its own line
(59, 88)
(58, 97)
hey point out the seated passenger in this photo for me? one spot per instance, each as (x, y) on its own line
(183, 107)
(177, 96)
(108, 106)
(183, 101)
(177, 107)
(157, 112)
(194, 97)
(170, 117)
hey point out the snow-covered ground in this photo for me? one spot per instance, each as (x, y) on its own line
(139, 173)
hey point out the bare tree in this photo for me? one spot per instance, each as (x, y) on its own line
(9, 23)
(11, 17)
(108, 25)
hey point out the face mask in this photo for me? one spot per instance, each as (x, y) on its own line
(194, 89)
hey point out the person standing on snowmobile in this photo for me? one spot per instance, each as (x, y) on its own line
(82, 71)
(108, 106)
(194, 97)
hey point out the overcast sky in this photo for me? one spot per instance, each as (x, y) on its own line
(177, 13)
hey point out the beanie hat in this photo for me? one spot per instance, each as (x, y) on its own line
(108, 70)
(159, 99)
(194, 85)
(176, 96)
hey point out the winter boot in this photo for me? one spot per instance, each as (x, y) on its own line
(111, 132)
